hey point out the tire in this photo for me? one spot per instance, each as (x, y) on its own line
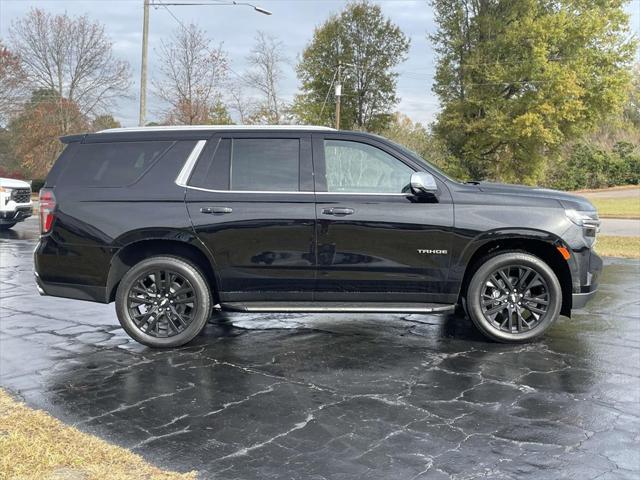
(513, 317)
(166, 313)
(6, 226)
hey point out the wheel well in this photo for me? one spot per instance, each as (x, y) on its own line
(541, 249)
(133, 253)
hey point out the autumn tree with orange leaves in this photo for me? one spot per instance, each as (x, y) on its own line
(69, 65)
(36, 130)
(12, 83)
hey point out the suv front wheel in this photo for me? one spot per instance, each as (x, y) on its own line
(163, 302)
(513, 297)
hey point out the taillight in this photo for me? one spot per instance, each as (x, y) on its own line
(47, 208)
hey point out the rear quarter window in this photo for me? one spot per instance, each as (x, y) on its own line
(113, 164)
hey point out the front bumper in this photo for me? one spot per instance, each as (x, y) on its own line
(579, 300)
(17, 215)
(586, 275)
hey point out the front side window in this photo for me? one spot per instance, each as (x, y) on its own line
(265, 164)
(353, 167)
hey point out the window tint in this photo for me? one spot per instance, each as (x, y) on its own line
(113, 164)
(357, 167)
(265, 164)
(212, 169)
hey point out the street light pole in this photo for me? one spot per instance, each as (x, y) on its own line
(145, 43)
(143, 70)
(338, 95)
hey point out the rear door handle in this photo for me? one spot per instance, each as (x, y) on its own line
(338, 211)
(216, 210)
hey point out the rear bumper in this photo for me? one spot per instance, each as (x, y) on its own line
(71, 271)
(69, 290)
(17, 215)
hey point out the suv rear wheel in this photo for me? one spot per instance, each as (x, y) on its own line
(513, 297)
(163, 302)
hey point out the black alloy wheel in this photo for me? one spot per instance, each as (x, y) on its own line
(513, 297)
(163, 301)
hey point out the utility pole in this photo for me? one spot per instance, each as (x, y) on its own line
(145, 41)
(338, 95)
(143, 70)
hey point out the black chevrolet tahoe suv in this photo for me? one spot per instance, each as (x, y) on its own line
(172, 223)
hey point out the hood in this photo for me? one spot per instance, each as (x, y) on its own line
(567, 200)
(13, 183)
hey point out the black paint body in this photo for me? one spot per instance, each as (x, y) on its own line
(280, 246)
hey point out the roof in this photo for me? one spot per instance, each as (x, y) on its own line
(188, 128)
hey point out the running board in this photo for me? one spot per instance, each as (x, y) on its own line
(337, 307)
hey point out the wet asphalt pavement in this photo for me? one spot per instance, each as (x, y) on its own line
(337, 396)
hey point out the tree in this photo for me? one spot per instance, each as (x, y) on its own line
(415, 137)
(192, 72)
(36, 130)
(264, 75)
(518, 79)
(632, 107)
(72, 57)
(367, 46)
(12, 80)
(104, 122)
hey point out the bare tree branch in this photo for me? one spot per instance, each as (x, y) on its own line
(264, 75)
(192, 73)
(72, 57)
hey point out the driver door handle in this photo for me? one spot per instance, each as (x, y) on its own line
(338, 211)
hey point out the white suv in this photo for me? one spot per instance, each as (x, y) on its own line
(15, 202)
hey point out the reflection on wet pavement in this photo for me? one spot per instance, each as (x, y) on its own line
(337, 396)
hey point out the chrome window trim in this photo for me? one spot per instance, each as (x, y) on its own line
(366, 193)
(273, 192)
(187, 168)
(246, 191)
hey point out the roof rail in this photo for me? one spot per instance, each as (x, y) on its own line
(181, 128)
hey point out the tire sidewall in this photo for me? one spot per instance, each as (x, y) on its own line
(500, 261)
(201, 291)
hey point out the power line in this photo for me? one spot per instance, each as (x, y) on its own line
(328, 92)
(157, 3)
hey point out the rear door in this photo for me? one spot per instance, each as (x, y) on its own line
(250, 198)
(376, 241)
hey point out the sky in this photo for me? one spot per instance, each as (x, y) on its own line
(235, 27)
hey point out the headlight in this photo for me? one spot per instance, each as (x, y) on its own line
(7, 194)
(587, 219)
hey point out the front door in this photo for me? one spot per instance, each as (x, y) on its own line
(376, 241)
(251, 201)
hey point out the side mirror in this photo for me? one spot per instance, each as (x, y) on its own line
(423, 182)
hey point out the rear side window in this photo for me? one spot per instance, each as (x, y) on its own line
(212, 170)
(249, 164)
(114, 164)
(266, 164)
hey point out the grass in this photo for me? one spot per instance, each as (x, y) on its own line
(612, 246)
(34, 445)
(617, 207)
